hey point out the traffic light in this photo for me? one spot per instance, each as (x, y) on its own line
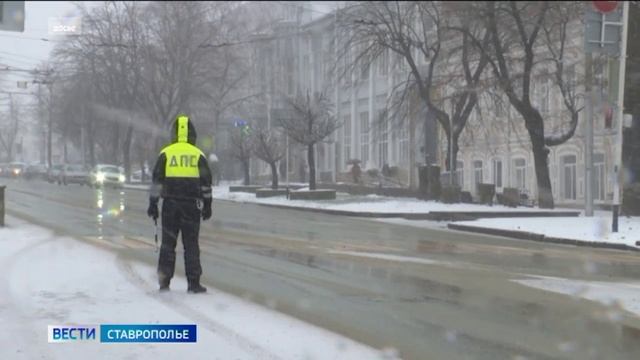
(12, 16)
(608, 117)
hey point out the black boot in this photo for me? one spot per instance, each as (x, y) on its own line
(164, 286)
(163, 281)
(196, 288)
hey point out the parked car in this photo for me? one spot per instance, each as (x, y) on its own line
(55, 174)
(16, 169)
(107, 175)
(36, 171)
(75, 174)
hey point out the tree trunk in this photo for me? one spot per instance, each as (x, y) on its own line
(126, 152)
(115, 143)
(49, 138)
(535, 127)
(312, 167)
(245, 168)
(455, 158)
(90, 143)
(64, 150)
(274, 176)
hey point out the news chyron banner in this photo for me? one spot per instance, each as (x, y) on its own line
(125, 333)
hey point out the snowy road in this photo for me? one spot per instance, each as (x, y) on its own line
(429, 293)
(41, 287)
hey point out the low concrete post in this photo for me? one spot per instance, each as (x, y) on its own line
(2, 187)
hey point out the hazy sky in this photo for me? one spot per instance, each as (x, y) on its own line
(26, 50)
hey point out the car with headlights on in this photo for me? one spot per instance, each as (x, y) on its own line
(16, 169)
(107, 175)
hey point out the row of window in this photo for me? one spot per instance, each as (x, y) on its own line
(380, 139)
(567, 176)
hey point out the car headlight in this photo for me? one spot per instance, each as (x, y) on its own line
(122, 178)
(16, 171)
(100, 177)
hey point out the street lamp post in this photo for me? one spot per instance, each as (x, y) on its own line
(617, 188)
(50, 118)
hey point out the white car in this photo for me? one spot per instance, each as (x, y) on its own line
(107, 175)
(75, 174)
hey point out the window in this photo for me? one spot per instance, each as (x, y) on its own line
(383, 146)
(544, 97)
(364, 137)
(598, 177)
(499, 108)
(477, 173)
(383, 63)
(520, 169)
(403, 142)
(364, 70)
(346, 120)
(568, 177)
(305, 71)
(497, 173)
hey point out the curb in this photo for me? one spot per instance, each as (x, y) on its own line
(433, 216)
(525, 235)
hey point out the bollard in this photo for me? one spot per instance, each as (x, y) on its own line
(2, 187)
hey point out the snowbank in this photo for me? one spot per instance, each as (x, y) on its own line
(591, 229)
(48, 280)
(616, 295)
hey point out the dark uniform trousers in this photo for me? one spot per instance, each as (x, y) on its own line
(180, 216)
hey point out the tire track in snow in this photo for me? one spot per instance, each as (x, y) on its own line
(245, 344)
(31, 343)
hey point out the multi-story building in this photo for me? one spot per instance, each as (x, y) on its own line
(298, 54)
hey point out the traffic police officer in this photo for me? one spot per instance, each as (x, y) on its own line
(182, 178)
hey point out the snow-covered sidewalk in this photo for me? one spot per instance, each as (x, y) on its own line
(369, 203)
(617, 296)
(596, 229)
(48, 280)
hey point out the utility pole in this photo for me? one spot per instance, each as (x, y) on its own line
(617, 188)
(588, 153)
(605, 32)
(13, 119)
(41, 122)
(50, 116)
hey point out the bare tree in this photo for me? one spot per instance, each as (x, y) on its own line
(520, 33)
(107, 55)
(310, 122)
(269, 148)
(422, 36)
(242, 149)
(10, 127)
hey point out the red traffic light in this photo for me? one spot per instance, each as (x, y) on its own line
(605, 6)
(608, 117)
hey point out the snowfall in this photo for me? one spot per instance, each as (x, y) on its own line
(52, 280)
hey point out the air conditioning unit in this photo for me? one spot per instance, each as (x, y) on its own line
(12, 16)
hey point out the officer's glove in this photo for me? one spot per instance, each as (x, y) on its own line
(152, 211)
(206, 210)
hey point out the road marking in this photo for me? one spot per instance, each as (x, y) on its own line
(396, 258)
